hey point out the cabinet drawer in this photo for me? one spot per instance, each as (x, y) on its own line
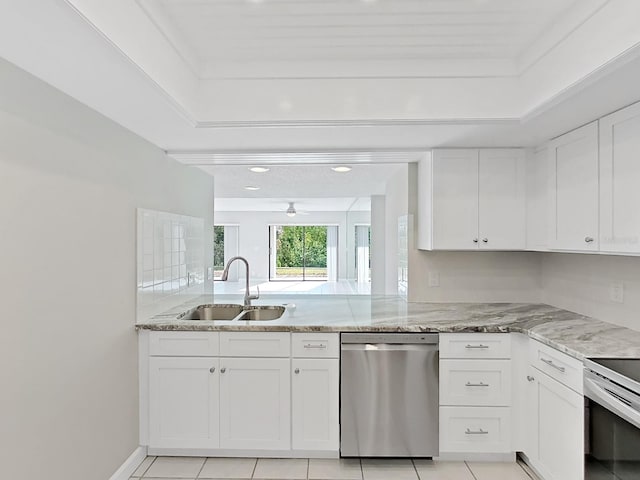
(183, 344)
(475, 429)
(255, 344)
(315, 345)
(557, 365)
(475, 383)
(475, 345)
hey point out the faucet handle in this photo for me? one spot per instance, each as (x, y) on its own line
(257, 296)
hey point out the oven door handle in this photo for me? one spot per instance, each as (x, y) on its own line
(611, 397)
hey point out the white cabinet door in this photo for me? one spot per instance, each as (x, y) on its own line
(315, 402)
(560, 426)
(183, 402)
(619, 181)
(573, 189)
(255, 403)
(502, 199)
(537, 187)
(455, 199)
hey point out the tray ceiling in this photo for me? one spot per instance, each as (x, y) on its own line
(222, 38)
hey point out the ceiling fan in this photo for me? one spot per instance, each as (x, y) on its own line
(291, 211)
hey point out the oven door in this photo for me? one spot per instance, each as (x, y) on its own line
(613, 430)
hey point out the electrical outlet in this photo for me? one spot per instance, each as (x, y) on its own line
(434, 279)
(209, 273)
(616, 292)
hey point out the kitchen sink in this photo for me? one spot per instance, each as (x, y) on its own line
(262, 313)
(220, 311)
(216, 311)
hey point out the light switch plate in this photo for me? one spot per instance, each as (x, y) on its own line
(616, 292)
(434, 279)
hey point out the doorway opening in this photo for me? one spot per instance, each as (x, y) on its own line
(363, 253)
(303, 253)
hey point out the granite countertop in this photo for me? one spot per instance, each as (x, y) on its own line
(577, 335)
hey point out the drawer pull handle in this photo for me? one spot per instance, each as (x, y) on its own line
(320, 345)
(476, 432)
(212, 369)
(481, 346)
(551, 364)
(481, 384)
(530, 378)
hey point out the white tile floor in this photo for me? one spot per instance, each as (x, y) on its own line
(192, 468)
(341, 287)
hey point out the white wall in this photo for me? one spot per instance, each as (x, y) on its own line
(254, 236)
(378, 248)
(70, 183)
(582, 283)
(396, 206)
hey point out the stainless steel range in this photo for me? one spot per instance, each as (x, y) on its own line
(612, 413)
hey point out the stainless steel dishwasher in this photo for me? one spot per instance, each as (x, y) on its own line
(389, 395)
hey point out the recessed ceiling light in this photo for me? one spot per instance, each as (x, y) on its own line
(251, 187)
(341, 169)
(259, 169)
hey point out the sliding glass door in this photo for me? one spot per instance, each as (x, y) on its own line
(302, 252)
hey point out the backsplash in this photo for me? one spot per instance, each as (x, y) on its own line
(170, 260)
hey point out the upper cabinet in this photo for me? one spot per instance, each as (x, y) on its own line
(619, 180)
(472, 199)
(573, 190)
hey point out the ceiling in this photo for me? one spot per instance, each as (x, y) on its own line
(304, 206)
(292, 182)
(227, 38)
(219, 81)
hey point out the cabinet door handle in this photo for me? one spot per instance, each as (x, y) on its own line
(588, 239)
(475, 240)
(296, 371)
(319, 345)
(222, 370)
(551, 364)
(485, 240)
(530, 378)
(481, 346)
(212, 369)
(481, 384)
(476, 432)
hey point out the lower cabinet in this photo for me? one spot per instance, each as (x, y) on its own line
(255, 403)
(200, 402)
(183, 402)
(315, 402)
(556, 415)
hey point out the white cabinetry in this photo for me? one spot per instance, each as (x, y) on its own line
(472, 200)
(555, 413)
(573, 190)
(475, 393)
(183, 402)
(235, 393)
(254, 403)
(315, 391)
(619, 180)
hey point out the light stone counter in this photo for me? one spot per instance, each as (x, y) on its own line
(574, 334)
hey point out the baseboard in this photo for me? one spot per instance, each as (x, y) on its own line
(130, 464)
(206, 452)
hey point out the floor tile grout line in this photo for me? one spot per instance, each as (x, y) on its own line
(308, 462)
(471, 471)
(361, 469)
(255, 465)
(147, 469)
(415, 469)
(201, 468)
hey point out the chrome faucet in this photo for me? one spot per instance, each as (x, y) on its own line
(247, 294)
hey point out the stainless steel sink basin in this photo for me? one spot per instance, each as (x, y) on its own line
(262, 313)
(217, 311)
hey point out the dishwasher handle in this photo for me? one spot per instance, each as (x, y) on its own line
(400, 339)
(388, 347)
